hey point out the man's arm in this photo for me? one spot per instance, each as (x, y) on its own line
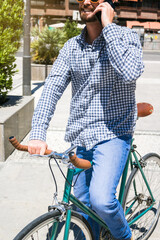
(122, 44)
(54, 87)
(124, 51)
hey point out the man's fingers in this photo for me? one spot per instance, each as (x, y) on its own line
(102, 6)
(37, 147)
(37, 150)
(42, 150)
(31, 150)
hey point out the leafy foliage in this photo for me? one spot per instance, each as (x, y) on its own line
(46, 44)
(70, 29)
(11, 22)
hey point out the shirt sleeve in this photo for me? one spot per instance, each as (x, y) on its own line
(124, 51)
(55, 84)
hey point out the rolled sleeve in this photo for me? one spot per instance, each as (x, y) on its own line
(124, 51)
(55, 84)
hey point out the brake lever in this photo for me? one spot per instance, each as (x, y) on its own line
(39, 155)
(60, 156)
(64, 157)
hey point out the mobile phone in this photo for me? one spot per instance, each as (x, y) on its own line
(98, 14)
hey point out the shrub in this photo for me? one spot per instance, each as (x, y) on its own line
(11, 25)
(47, 43)
(70, 29)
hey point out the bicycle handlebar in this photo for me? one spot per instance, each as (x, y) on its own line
(77, 162)
(144, 109)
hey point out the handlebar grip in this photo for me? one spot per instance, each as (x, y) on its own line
(17, 145)
(21, 147)
(79, 162)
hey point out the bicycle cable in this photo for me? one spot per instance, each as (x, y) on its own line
(138, 154)
(72, 185)
(134, 150)
(55, 182)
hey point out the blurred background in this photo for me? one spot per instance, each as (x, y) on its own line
(142, 15)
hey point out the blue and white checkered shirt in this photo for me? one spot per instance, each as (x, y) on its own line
(103, 77)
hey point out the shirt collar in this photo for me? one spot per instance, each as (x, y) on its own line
(99, 41)
(81, 37)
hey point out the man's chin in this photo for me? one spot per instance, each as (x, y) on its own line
(88, 19)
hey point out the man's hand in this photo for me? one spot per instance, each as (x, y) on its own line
(37, 147)
(107, 12)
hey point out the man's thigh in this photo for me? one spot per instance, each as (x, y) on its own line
(109, 159)
(81, 188)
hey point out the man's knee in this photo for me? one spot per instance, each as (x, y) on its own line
(104, 206)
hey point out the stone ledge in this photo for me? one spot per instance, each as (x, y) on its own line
(15, 120)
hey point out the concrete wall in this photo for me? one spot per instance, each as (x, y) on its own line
(15, 120)
(39, 72)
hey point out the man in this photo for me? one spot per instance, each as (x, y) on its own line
(102, 64)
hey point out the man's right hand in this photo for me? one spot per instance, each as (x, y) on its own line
(37, 147)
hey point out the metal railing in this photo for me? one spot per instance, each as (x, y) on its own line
(150, 45)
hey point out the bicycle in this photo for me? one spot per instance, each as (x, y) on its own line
(139, 195)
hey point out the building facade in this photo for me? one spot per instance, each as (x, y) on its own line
(51, 11)
(143, 15)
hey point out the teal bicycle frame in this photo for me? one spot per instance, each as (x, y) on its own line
(69, 197)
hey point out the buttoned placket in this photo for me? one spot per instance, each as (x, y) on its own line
(92, 70)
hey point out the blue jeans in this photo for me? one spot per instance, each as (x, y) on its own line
(96, 187)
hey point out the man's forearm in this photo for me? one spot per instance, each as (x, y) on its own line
(124, 51)
(54, 87)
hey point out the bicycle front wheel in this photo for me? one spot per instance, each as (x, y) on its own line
(138, 203)
(50, 226)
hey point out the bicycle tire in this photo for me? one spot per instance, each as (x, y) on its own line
(143, 227)
(42, 228)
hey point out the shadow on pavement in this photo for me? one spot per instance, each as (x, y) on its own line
(37, 86)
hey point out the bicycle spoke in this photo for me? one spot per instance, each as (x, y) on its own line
(47, 227)
(143, 208)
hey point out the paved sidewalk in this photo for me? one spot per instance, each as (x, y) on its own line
(26, 185)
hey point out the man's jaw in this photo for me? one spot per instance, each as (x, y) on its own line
(87, 15)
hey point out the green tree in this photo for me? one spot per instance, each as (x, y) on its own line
(11, 25)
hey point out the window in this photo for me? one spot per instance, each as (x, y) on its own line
(57, 4)
(73, 5)
(40, 3)
(151, 4)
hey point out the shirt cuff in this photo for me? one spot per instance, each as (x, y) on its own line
(38, 134)
(112, 32)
